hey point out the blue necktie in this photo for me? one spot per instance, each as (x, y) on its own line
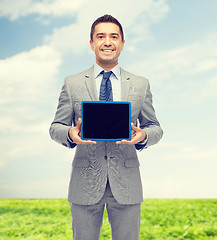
(105, 93)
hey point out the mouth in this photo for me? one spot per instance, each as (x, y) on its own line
(107, 50)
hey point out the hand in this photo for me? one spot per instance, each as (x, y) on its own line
(75, 134)
(138, 136)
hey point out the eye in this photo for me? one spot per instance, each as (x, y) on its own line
(100, 37)
(115, 37)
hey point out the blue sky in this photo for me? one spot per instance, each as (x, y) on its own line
(172, 43)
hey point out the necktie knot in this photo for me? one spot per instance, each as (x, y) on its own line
(107, 75)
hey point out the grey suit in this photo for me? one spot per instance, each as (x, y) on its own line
(94, 164)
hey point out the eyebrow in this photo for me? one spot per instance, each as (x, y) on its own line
(116, 34)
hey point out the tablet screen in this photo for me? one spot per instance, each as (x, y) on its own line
(105, 121)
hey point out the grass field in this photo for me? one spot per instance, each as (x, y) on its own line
(161, 219)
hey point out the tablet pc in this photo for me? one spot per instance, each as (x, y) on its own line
(105, 121)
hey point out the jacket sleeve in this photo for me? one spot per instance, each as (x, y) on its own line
(63, 119)
(148, 121)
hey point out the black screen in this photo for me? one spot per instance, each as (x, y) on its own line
(103, 120)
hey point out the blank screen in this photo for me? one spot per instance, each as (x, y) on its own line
(105, 120)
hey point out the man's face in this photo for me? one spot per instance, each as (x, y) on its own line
(107, 44)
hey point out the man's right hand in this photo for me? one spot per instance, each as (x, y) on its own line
(75, 134)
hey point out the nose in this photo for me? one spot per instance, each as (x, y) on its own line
(107, 41)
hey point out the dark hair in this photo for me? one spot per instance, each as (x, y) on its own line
(106, 18)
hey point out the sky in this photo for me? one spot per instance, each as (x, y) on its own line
(172, 43)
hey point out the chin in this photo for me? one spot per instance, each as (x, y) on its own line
(108, 61)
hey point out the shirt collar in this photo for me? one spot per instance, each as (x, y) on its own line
(116, 71)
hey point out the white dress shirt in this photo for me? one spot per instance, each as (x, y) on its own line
(115, 80)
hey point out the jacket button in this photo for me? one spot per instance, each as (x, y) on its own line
(106, 157)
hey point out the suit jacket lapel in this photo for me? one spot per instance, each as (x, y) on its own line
(91, 84)
(125, 85)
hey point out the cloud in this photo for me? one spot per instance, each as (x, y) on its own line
(153, 10)
(187, 71)
(180, 61)
(24, 75)
(57, 8)
(70, 39)
(180, 151)
(178, 169)
(21, 8)
(55, 188)
(206, 65)
(27, 83)
(184, 188)
(136, 20)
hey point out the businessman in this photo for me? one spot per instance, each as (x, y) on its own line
(105, 173)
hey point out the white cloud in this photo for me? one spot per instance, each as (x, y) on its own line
(179, 170)
(55, 188)
(183, 60)
(27, 81)
(21, 8)
(24, 75)
(135, 19)
(206, 65)
(180, 151)
(173, 188)
(182, 71)
(57, 8)
(153, 9)
(149, 10)
(74, 38)
(14, 9)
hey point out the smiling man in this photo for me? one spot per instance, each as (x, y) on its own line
(105, 173)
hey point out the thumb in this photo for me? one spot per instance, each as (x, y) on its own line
(79, 123)
(134, 128)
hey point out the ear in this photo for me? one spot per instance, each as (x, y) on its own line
(122, 47)
(92, 45)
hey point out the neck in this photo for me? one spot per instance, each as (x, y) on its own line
(107, 66)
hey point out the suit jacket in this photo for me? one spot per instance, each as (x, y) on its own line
(94, 164)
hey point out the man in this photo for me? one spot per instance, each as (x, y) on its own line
(105, 172)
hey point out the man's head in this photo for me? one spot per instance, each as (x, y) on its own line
(107, 41)
(109, 19)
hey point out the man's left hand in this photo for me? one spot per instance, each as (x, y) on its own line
(138, 136)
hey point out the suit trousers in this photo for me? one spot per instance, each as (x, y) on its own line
(124, 219)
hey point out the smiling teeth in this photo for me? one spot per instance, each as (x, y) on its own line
(107, 50)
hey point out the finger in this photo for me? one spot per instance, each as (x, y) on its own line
(80, 141)
(122, 142)
(89, 142)
(79, 123)
(119, 142)
(132, 141)
(134, 128)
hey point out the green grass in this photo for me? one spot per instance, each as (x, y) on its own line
(161, 219)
